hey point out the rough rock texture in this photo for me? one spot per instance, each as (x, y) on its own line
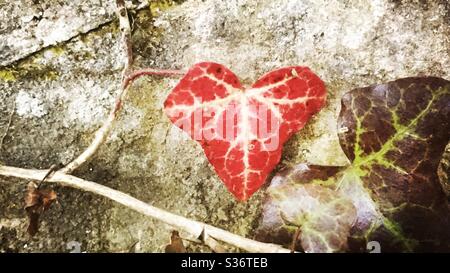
(28, 26)
(59, 95)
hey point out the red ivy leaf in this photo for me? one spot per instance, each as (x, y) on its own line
(242, 130)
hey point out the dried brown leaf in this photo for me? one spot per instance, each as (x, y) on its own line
(37, 201)
(176, 244)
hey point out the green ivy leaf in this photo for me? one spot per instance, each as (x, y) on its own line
(394, 134)
(323, 216)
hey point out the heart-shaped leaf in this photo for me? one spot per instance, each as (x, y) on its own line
(395, 135)
(242, 130)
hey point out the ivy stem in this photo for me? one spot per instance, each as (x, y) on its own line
(151, 72)
(128, 75)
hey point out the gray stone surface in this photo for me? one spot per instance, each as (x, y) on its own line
(60, 94)
(28, 26)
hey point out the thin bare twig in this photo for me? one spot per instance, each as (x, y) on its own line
(295, 239)
(52, 169)
(102, 134)
(100, 137)
(125, 29)
(11, 114)
(127, 78)
(197, 229)
(212, 244)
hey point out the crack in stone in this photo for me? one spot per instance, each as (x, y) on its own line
(20, 57)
